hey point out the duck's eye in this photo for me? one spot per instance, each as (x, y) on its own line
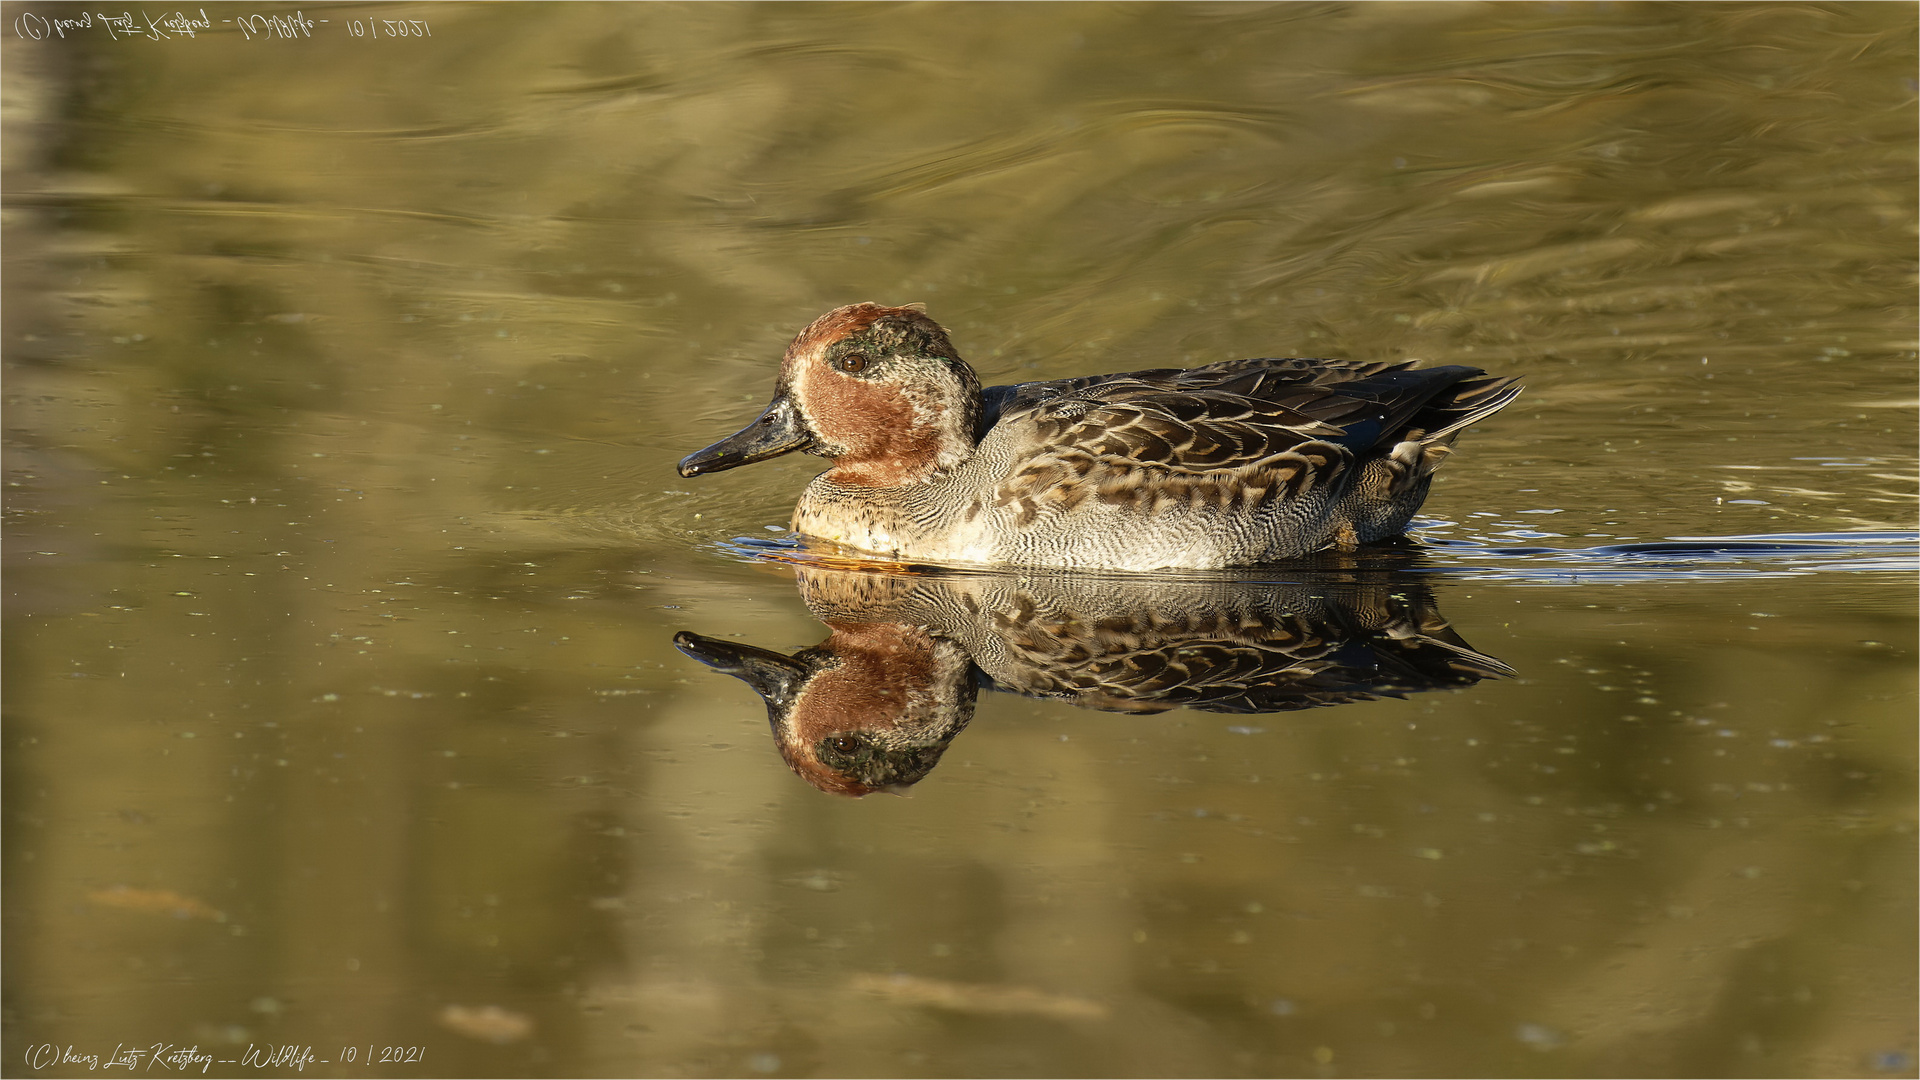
(852, 363)
(845, 744)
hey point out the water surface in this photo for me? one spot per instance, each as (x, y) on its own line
(345, 375)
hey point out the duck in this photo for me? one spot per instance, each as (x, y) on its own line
(1237, 463)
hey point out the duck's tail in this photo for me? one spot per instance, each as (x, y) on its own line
(1392, 485)
(1468, 402)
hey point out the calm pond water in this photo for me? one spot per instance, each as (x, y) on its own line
(355, 702)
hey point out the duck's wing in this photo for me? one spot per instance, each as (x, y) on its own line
(1251, 378)
(1237, 434)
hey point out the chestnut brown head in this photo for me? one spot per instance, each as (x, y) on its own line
(878, 390)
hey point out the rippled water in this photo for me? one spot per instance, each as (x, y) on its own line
(345, 374)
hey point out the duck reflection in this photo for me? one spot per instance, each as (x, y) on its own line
(874, 706)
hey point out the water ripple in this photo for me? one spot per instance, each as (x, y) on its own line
(1684, 558)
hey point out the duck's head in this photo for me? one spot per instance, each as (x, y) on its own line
(878, 390)
(871, 708)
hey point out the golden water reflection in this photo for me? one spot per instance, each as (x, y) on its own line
(875, 705)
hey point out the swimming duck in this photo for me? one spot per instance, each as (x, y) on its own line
(1231, 464)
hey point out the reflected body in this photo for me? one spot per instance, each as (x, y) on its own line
(1231, 464)
(874, 706)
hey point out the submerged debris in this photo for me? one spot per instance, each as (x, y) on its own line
(488, 1023)
(158, 901)
(979, 998)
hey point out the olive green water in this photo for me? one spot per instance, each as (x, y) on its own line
(345, 374)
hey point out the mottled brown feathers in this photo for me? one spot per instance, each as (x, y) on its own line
(1148, 449)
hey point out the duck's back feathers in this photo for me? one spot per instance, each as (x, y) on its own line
(1231, 436)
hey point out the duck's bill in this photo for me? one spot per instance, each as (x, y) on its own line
(777, 430)
(774, 676)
